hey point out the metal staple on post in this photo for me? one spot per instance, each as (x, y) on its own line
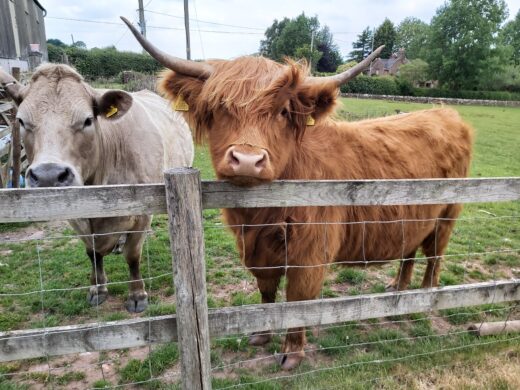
(184, 205)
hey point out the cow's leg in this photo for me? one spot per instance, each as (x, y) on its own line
(268, 289)
(98, 292)
(404, 275)
(303, 284)
(434, 246)
(137, 296)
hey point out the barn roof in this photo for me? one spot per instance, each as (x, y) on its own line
(41, 7)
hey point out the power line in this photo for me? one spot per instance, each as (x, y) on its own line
(198, 26)
(182, 29)
(156, 27)
(204, 21)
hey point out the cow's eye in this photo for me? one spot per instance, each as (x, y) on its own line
(88, 122)
(285, 113)
(20, 121)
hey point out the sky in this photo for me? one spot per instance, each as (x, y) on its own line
(223, 28)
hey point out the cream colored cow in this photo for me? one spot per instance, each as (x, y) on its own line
(76, 135)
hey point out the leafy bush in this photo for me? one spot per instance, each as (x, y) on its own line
(371, 85)
(399, 86)
(107, 62)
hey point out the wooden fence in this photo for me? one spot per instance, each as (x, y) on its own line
(182, 197)
(16, 160)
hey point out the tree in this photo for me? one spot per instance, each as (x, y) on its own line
(346, 66)
(415, 72)
(330, 58)
(412, 35)
(362, 46)
(510, 36)
(272, 35)
(292, 38)
(463, 47)
(385, 35)
(80, 45)
(56, 42)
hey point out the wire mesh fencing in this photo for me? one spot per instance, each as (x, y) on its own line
(338, 355)
(356, 334)
(46, 278)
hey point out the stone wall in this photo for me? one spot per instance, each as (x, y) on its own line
(435, 100)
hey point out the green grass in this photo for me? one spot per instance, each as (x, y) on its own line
(154, 365)
(351, 275)
(65, 268)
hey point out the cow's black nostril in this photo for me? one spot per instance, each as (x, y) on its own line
(50, 175)
(64, 176)
(32, 177)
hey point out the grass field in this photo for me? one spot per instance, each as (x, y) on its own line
(416, 351)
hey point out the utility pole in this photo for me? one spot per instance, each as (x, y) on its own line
(187, 27)
(312, 45)
(371, 51)
(142, 21)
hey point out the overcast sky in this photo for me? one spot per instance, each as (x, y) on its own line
(244, 21)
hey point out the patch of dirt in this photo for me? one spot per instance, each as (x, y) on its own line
(95, 366)
(441, 325)
(226, 291)
(35, 231)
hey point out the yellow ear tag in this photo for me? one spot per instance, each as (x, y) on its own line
(310, 121)
(112, 111)
(180, 104)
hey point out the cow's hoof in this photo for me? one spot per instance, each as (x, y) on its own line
(289, 361)
(96, 297)
(260, 338)
(137, 304)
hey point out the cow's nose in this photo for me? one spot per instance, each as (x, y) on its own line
(247, 164)
(50, 175)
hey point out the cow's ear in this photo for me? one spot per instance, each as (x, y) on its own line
(321, 98)
(12, 88)
(182, 91)
(113, 104)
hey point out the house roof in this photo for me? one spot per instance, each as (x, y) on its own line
(389, 62)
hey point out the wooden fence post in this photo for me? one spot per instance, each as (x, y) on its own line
(16, 141)
(184, 204)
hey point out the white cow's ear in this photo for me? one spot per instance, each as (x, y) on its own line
(12, 87)
(113, 104)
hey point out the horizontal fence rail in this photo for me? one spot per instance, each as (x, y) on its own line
(44, 204)
(26, 344)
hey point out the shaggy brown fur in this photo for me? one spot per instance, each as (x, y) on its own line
(256, 104)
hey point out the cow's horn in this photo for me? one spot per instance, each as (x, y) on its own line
(349, 74)
(185, 67)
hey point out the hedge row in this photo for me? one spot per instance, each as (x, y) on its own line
(393, 86)
(106, 62)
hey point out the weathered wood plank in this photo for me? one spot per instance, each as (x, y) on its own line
(5, 131)
(493, 328)
(183, 199)
(42, 204)
(360, 192)
(16, 144)
(62, 340)
(6, 106)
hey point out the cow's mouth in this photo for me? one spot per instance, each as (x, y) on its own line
(245, 181)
